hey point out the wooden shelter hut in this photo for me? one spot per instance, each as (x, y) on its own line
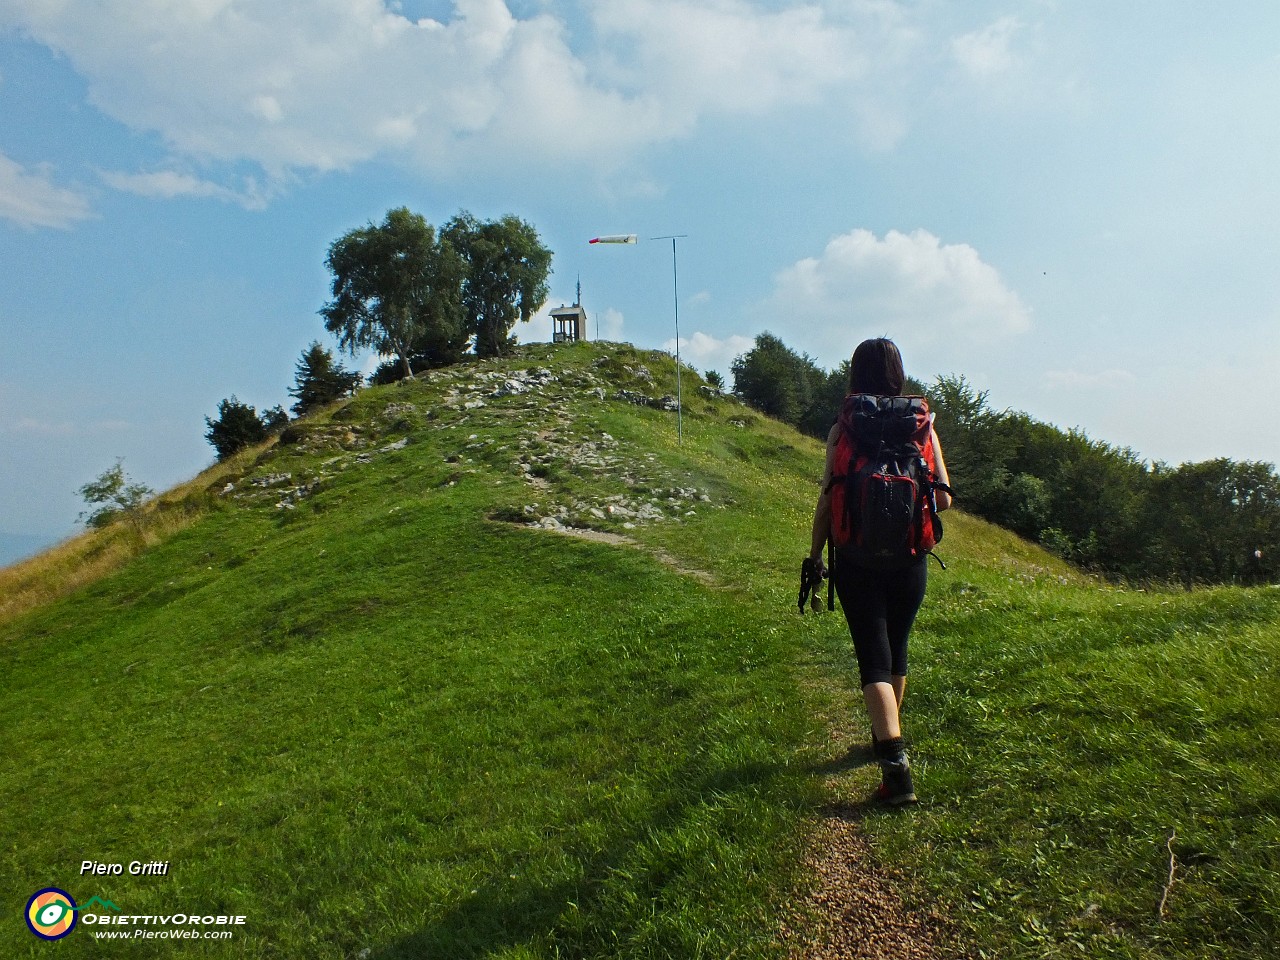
(568, 324)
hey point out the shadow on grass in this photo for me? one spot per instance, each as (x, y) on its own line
(859, 755)
(853, 809)
(856, 810)
(591, 913)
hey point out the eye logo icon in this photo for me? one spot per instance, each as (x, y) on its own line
(51, 913)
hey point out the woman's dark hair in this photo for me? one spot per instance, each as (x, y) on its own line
(876, 368)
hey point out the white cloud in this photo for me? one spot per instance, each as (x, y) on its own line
(30, 198)
(167, 184)
(987, 52)
(611, 323)
(730, 57)
(726, 55)
(904, 282)
(706, 352)
(370, 364)
(1017, 65)
(326, 84)
(319, 85)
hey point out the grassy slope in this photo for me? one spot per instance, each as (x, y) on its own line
(384, 720)
(1073, 738)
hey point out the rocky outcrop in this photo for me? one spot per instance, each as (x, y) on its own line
(579, 476)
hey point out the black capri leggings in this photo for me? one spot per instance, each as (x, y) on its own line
(880, 606)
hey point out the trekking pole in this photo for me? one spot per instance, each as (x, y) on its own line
(831, 576)
(809, 582)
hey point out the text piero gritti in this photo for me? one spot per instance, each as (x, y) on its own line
(136, 868)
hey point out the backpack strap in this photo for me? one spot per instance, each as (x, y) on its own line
(847, 435)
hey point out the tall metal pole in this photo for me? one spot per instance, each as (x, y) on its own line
(675, 290)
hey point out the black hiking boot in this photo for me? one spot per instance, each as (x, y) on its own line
(895, 787)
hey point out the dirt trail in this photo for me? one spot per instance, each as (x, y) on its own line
(851, 908)
(621, 540)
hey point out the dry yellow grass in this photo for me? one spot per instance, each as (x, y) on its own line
(94, 554)
(61, 570)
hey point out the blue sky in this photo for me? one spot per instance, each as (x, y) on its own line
(1075, 205)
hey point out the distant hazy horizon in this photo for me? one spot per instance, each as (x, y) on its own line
(19, 546)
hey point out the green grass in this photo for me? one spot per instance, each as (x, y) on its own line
(1068, 736)
(381, 720)
(388, 719)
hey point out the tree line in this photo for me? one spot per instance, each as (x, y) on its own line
(1099, 506)
(419, 297)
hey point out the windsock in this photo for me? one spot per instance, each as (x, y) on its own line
(616, 238)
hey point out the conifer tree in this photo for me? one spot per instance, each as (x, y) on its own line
(320, 379)
(238, 426)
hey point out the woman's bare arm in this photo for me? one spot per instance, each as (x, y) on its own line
(943, 498)
(822, 511)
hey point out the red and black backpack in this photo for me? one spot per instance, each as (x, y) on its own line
(884, 512)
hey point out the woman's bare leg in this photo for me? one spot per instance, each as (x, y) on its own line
(882, 705)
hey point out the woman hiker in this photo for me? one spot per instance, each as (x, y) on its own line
(880, 605)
